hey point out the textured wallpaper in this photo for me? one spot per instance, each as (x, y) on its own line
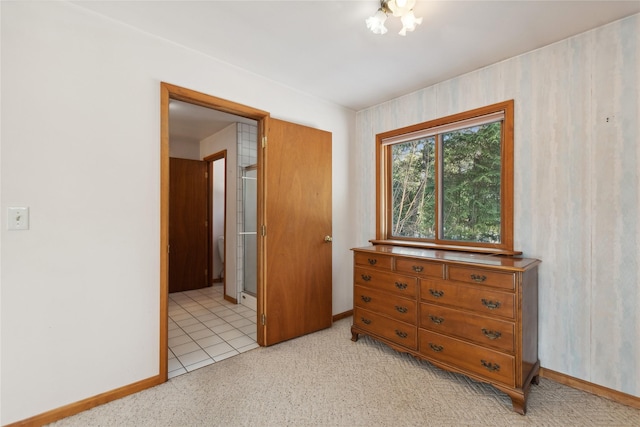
(577, 188)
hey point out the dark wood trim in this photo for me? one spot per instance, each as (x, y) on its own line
(230, 299)
(342, 315)
(91, 402)
(216, 156)
(598, 390)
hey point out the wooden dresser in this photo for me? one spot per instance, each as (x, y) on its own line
(463, 312)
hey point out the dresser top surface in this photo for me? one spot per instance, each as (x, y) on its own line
(453, 257)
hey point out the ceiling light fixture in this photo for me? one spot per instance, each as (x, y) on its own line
(402, 9)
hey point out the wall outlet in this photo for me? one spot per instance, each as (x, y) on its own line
(18, 218)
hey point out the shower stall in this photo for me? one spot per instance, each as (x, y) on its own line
(247, 242)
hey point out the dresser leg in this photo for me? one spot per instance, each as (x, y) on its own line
(519, 404)
(535, 380)
(354, 335)
(518, 399)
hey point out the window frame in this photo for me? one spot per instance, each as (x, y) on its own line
(383, 183)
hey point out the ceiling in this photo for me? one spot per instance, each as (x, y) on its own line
(324, 49)
(189, 123)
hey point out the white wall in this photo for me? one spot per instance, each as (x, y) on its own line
(184, 149)
(226, 139)
(577, 188)
(80, 142)
(219, 202)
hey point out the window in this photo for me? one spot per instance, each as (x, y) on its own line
(449, 182)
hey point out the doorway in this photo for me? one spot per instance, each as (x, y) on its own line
(181, 95)
(204, 327)
(294, 273)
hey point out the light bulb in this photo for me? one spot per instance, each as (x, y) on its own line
(409, 22)
(400, 7)
(376, 22)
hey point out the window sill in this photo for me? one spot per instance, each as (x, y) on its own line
(436, 246)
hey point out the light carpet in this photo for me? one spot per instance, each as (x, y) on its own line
(325, 379)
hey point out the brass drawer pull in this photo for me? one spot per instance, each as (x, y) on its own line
(365, 277)
(365, 321)
(437, 294)
(402, 309)
(436, 348)
(478, 278)
(401, 285)
(492, 335)
(372, 261)
(491, 305)
(365, 298)
(491, 367)
(401, 334)
(435, 319)
(418, 268)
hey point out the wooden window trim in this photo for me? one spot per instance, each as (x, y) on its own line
(383, 183)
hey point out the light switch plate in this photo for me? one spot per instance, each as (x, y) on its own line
(18, 218)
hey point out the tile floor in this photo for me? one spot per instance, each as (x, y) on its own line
(204, 328)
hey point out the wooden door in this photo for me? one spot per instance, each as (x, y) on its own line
(188, 225)
(295, 261)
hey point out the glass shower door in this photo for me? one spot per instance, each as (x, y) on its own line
(249, 233)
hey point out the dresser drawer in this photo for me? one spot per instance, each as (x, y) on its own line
(420, 268)
(482, 330)
(386, 281)
(393, 330)
(490, 364)
(483, 277)
(373, 260)
(402, 309)
(476, 298)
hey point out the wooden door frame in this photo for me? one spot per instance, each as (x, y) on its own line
(167, 92)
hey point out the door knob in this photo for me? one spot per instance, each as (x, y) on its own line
(328, 239)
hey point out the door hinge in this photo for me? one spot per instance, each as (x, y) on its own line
(168, 249)
(263, 319)
(206, 174)
(264, 141)
(206, 223)
(263, 230)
